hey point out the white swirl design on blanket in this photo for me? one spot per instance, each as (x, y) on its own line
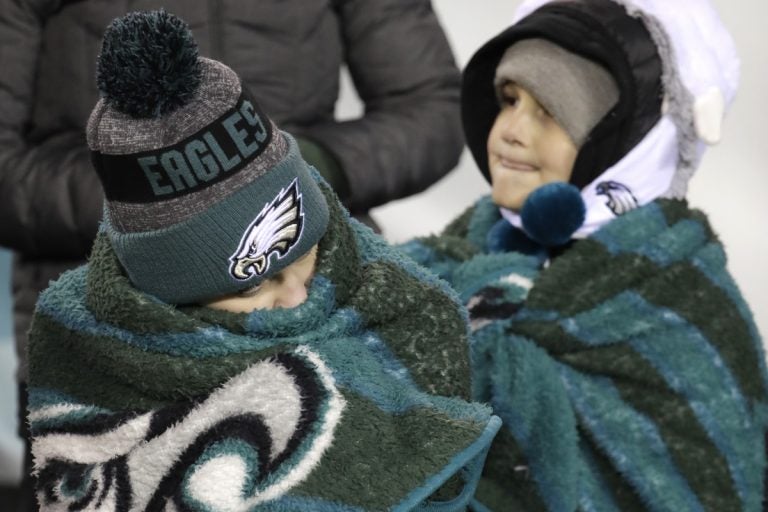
(246, 443)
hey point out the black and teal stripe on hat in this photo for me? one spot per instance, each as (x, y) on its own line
(205, 196)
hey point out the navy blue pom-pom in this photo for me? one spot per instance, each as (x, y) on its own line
(148, 64)
(504, 237)
(552, 213)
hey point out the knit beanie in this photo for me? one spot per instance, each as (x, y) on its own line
(205, 196)
(577, 92)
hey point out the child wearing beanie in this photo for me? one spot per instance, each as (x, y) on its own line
(237, 342)
(606, 331)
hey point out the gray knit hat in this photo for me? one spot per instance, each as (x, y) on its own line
(205, 196)
(546, 70)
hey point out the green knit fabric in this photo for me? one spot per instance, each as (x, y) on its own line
(629, 373)
(353, 400)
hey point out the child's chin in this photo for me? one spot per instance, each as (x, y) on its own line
(510, 203)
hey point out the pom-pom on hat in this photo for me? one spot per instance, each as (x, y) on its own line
(205, 196)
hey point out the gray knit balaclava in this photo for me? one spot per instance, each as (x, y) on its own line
(205, 196)
(576, 91)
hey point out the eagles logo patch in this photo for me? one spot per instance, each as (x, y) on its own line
(620, 197)
(276, 229)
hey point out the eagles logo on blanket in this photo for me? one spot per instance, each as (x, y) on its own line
(276, 229)
(266, 429)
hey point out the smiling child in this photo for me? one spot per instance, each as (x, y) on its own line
(607, 332)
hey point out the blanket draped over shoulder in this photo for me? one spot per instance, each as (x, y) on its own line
(628, 371)
(354, 400)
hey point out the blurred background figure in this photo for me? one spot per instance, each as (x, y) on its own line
(288, 53)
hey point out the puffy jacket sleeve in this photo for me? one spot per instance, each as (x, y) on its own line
(50, 198)
(404, 72)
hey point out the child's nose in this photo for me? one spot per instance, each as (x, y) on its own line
(517, 126)
(291, 293)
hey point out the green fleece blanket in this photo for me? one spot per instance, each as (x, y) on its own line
(627, 371)
(355, 400)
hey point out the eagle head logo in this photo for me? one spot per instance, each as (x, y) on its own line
(275, 229)
(620, 197)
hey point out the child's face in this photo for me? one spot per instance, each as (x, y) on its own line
(286, 289)
(526, 149)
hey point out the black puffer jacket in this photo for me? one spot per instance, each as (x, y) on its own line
(287, 52)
